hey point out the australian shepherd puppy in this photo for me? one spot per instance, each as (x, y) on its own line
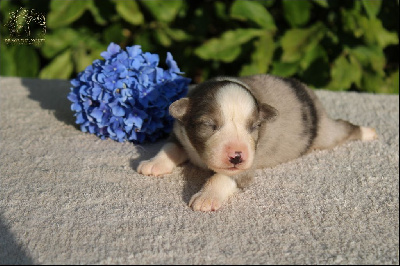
(233, 126)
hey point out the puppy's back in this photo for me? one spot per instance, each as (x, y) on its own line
(296, 127)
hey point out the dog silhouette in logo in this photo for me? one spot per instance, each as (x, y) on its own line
(22, 22)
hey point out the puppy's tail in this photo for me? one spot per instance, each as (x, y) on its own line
(336, 132)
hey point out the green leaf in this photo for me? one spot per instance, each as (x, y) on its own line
(392, 83)
(284, 69)
(351, 22)
(372, 82)
(58, 41)
(323, 3)
(8, 66)
(297, 13)
(267, 3)
(19, 60)
(81, 58)
(344, 72)
(27, 61)
(261, 57)
(162, 37)
(83, 55)
(63, 13)
(370, 29)
(375, 33)
(220, 10)
(113, 33)
(253, 11)
(297, 42)
(370, 56)
(60, 68)
(162, 10)
(129, 11)
(146, 40)
(313, 54)
(372, 7)
(96, 13)
(177, 34)
(227, 47)
(85, 51)
(332, 36)
(376, 84)
(5, 8)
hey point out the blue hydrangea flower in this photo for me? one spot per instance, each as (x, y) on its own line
(126, 96)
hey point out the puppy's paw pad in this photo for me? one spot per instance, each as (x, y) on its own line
(154, 168)
(205, 202)
(368, 134)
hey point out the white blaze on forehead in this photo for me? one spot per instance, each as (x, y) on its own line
(236, 104)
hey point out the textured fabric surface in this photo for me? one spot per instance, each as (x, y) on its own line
(67, 197)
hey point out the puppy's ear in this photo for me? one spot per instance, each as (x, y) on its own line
(179, 108)
(268, 113)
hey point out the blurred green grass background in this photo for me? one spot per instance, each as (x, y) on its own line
(335, 45)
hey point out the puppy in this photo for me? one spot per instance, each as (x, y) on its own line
(233, 126)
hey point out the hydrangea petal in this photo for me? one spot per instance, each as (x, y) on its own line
(72, 97)
(76, 107)
(173, 66)
(80, 119)
(118, 110)
(133, 51)
(97, 114)
(111, 50)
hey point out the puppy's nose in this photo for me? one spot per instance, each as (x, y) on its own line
(237, 159)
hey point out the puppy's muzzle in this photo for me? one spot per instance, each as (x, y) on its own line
(237, 159)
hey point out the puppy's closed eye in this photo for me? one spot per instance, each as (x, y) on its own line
(207, 127)
(254, 126)
(209, 124)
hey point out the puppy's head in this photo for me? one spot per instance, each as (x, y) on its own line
(220, 121)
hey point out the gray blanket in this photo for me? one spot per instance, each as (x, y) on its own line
(67, 197)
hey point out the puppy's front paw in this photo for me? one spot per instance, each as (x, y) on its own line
(206, 201)
(214, 193)
(155, 167)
